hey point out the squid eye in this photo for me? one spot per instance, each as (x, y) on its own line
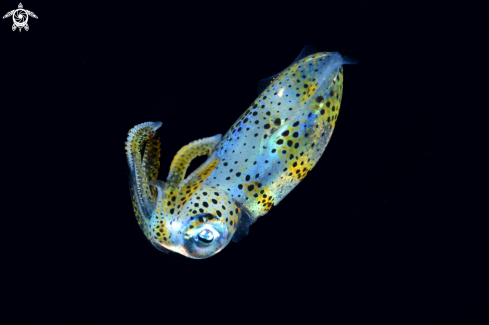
(206, 236)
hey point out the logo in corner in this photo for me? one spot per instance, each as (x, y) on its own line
(20, 17)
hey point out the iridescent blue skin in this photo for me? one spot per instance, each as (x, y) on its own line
(265, 154)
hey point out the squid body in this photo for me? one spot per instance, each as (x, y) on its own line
(264, 155)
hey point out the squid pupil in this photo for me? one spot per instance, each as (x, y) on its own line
(206, 236)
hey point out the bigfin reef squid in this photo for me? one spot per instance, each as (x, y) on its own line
(272, 146)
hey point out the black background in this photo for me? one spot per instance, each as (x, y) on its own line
(387, 227)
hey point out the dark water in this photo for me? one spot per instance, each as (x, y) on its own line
(390, 227)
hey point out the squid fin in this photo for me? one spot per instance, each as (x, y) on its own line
(263, 83)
